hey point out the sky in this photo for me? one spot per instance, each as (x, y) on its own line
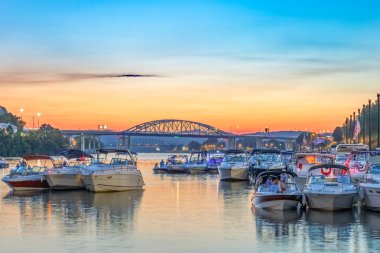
(237, 65)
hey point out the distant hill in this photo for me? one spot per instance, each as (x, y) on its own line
(3, 110)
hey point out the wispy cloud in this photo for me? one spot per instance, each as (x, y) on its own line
(23, 78)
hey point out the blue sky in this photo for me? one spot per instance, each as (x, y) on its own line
(322, 46)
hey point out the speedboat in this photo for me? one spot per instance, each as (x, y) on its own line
(120, 174)
(277, 190)
(357, 161)
(68, 177)
(213, 161)
(28, 175)
(369, 190)
(265, 159)
(329, 188)
(234, 166)
(304, 161)
(177, 164)
(3, 163)
(197, 163)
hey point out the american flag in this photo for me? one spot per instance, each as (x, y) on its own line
(356, 131)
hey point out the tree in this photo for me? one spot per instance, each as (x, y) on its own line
(338, 134)
(194, 146)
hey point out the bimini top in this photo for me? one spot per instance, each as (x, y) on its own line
(120, 151)
(235, 151)
(332, 166)
(268, 151)
(37, 157)
(371, 153)
(74, 153)
(276, 173)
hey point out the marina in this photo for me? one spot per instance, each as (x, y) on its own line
(171, 209)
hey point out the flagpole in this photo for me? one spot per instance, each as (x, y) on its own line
(354, 117)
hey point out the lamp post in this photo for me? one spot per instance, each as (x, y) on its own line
(359, 123)
(378, 120)
(350, 129)
(346, 130)
(369, 125)
(363, 116)
(38, 119)
(21, 112)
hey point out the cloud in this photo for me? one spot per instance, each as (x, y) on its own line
(22, 78)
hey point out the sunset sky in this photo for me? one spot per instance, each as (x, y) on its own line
(290, 65)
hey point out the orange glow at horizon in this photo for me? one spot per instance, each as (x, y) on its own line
(121, 105)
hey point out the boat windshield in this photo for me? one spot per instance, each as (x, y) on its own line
(236, 157)
(321, 179)
(375, 169)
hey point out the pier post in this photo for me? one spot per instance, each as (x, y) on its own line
(82, 140)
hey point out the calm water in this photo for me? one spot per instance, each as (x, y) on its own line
(175, 213)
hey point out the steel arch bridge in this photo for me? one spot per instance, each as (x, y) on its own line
(175, 127)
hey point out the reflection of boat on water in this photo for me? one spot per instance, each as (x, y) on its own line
(371, 220)
(338, 218)
(278, 216)
(237, 186)
(12, 194)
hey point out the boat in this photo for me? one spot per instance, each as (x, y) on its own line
(197, 163)
(177, 164)
(277, 190)
(120, 174)
(369, 190)
(3, 163)
(329, 188)
(304, 161)
(234, 166)
(68, 177)
(357, 161)
(265, 159)
(213, 161)
(28, 174)
(160, 168)
(342, 151)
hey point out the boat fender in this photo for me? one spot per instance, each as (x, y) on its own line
(324, 172)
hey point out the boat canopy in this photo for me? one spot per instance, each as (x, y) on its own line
(37, 157)
(74, 153)
(276, 173)
(329, 166)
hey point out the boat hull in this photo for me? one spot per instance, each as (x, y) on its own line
(177, 169)
(330, 201)
(113, 182)
(65, 181)
(277, 201)
(197, 169)
(371, 198)
(26, 184)
(233, 174)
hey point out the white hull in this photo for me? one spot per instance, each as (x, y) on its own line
(278, 204)
(113, 182)
(233, 173)
(371, 198)
(65, 181)
(197, 169)
(330, 201)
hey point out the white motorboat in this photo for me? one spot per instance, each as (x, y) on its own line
(121, 174)
(369, 191)
(3, 163)
(304, 161)
(197, 163)
(177, 164)
(265, 159)
(28, 174)
(69, 176)
(329, 187)
(357, 162)
(234, 166)
(277, 190)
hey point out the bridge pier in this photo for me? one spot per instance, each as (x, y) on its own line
(82, 140)
(231, 144)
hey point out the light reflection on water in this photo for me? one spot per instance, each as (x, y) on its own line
(175, 213)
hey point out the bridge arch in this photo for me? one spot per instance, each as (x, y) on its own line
(175, 127)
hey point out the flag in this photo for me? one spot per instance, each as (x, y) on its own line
(356, 131)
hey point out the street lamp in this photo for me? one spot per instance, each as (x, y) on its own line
(38, 119)
(21, 112)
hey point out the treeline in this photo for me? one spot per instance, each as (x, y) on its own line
(46, 140)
